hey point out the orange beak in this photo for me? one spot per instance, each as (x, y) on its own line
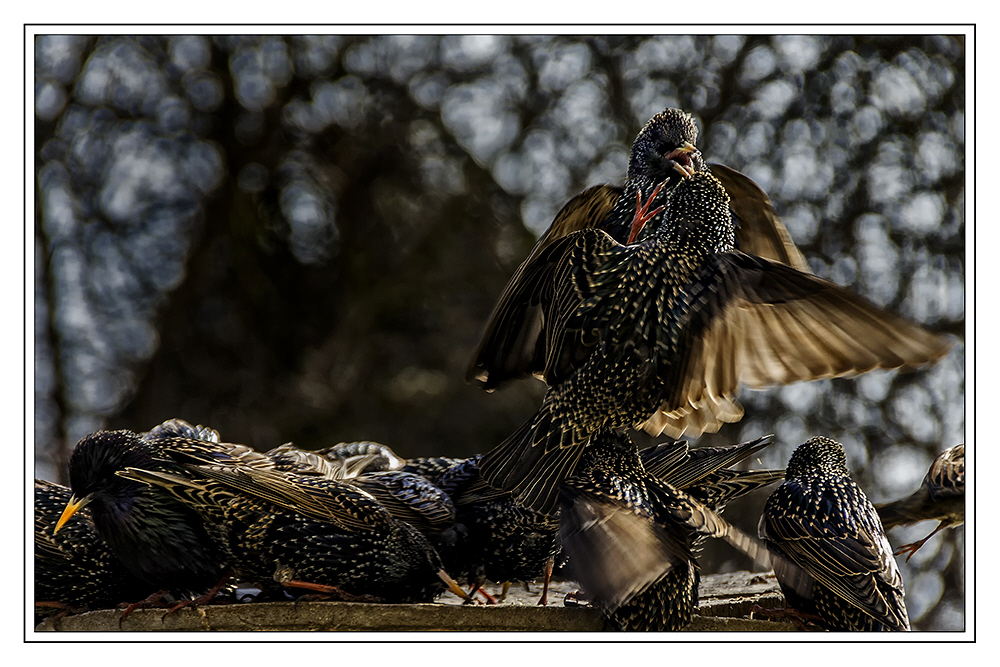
(72, 507)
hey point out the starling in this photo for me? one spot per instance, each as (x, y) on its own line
(629, 537)
(74, 567)
(830, 554)
(659, 335)
(941, 496)
(328, 533)
(512, 344)
(669, 602)
(493, 538)
(161, 541)
(302, 530)
(632, 537)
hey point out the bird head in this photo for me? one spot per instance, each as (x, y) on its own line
(92, 469)
(818, 454)
(664, 149)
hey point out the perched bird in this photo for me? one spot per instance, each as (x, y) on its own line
(632, 537)
(74, 568)
(669, 602)
(493, 537)
(301, 529)
(830, 554)
(161, 541)
(941, 496)
(661, 334)
(512, 344)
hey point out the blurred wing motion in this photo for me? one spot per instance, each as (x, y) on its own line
(762, 323)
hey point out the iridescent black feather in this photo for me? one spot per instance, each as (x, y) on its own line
(74, 566)
(661, 334)
(831, 556)
(493, 538)
(160, 540)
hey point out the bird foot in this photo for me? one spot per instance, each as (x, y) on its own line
(454, 587)
(207, 598)
(152, 601)
(576, 599)
(549, 566)
(478, 588)
(642, 212)
(912, 547)
(327, 592)
(909, 549)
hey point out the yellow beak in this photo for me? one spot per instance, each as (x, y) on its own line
(72, 507)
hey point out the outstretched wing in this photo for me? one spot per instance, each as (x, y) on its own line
(760, 323)
(512, 344)
(759, 230)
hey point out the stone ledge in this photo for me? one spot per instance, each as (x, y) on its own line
(724, 606)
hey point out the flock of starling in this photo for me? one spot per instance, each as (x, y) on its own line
(644, 306)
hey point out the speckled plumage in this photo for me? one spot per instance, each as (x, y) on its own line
(511, 345)
(283, 520)
(324, 532)
(430, 467)
(74, 566)
(660, 335)
(513, 342)
(160, 540)
(830, 554)
(637, 534)
(941, 497)
(409, 497)
(493, 538)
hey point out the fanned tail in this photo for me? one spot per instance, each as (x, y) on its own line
(533, 460)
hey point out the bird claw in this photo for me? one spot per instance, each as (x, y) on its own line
(327, 592)
(910, 548)
(66, 609)
(477, 588)
(642, 212)
(148, 602)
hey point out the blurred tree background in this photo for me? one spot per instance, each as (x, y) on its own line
(300, 238)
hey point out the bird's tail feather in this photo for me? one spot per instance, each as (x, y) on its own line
(533, 460)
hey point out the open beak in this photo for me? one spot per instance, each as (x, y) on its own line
(681, 158)
(683, 170)
(72, 507)
(686, 148)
